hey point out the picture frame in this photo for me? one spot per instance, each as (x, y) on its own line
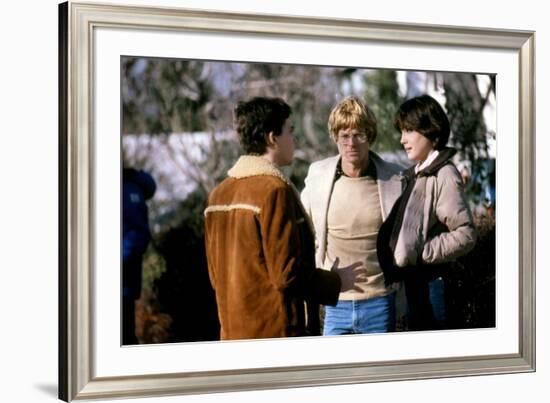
(77, 172)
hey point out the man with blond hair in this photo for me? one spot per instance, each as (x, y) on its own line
(348, 196)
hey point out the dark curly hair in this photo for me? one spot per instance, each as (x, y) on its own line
(256, 118)
(426, 116)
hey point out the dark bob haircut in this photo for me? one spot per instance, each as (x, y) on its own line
(426, 116)
(256, 118)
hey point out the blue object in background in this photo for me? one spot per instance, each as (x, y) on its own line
(137, 187)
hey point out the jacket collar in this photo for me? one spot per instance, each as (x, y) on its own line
(253, 165)
(442, 159)
(427, 162)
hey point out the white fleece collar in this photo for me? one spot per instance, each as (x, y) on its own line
(253, 165)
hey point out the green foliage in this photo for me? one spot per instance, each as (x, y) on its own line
(153, 267)
(382, 96)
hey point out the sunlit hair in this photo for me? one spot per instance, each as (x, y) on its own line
(424, 115)
(352, 113)
(256, 118)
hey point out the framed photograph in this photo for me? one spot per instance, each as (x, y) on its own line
(115, 59)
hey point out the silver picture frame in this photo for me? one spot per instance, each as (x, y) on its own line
(77, 22)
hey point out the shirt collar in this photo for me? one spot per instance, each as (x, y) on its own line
(431, 157)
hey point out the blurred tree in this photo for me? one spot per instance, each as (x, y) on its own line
(164, 95)
(465, 104)
(310, 90)
(382, 96)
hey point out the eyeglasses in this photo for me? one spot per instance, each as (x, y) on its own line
(359, 137)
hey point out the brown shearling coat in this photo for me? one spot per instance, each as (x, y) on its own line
(260, 251)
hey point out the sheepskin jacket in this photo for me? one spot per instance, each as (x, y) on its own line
(260, 251)
(431, 223)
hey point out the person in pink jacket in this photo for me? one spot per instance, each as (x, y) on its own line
(431, 223)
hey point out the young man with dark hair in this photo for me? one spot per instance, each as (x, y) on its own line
(259, 241)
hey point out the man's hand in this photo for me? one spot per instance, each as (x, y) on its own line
(350, 275)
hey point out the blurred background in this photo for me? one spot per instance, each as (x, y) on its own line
(177, 126)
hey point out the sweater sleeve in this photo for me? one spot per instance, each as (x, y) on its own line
(453, 212)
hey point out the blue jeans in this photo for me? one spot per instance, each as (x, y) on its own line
(375, 315)
(437, 299)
